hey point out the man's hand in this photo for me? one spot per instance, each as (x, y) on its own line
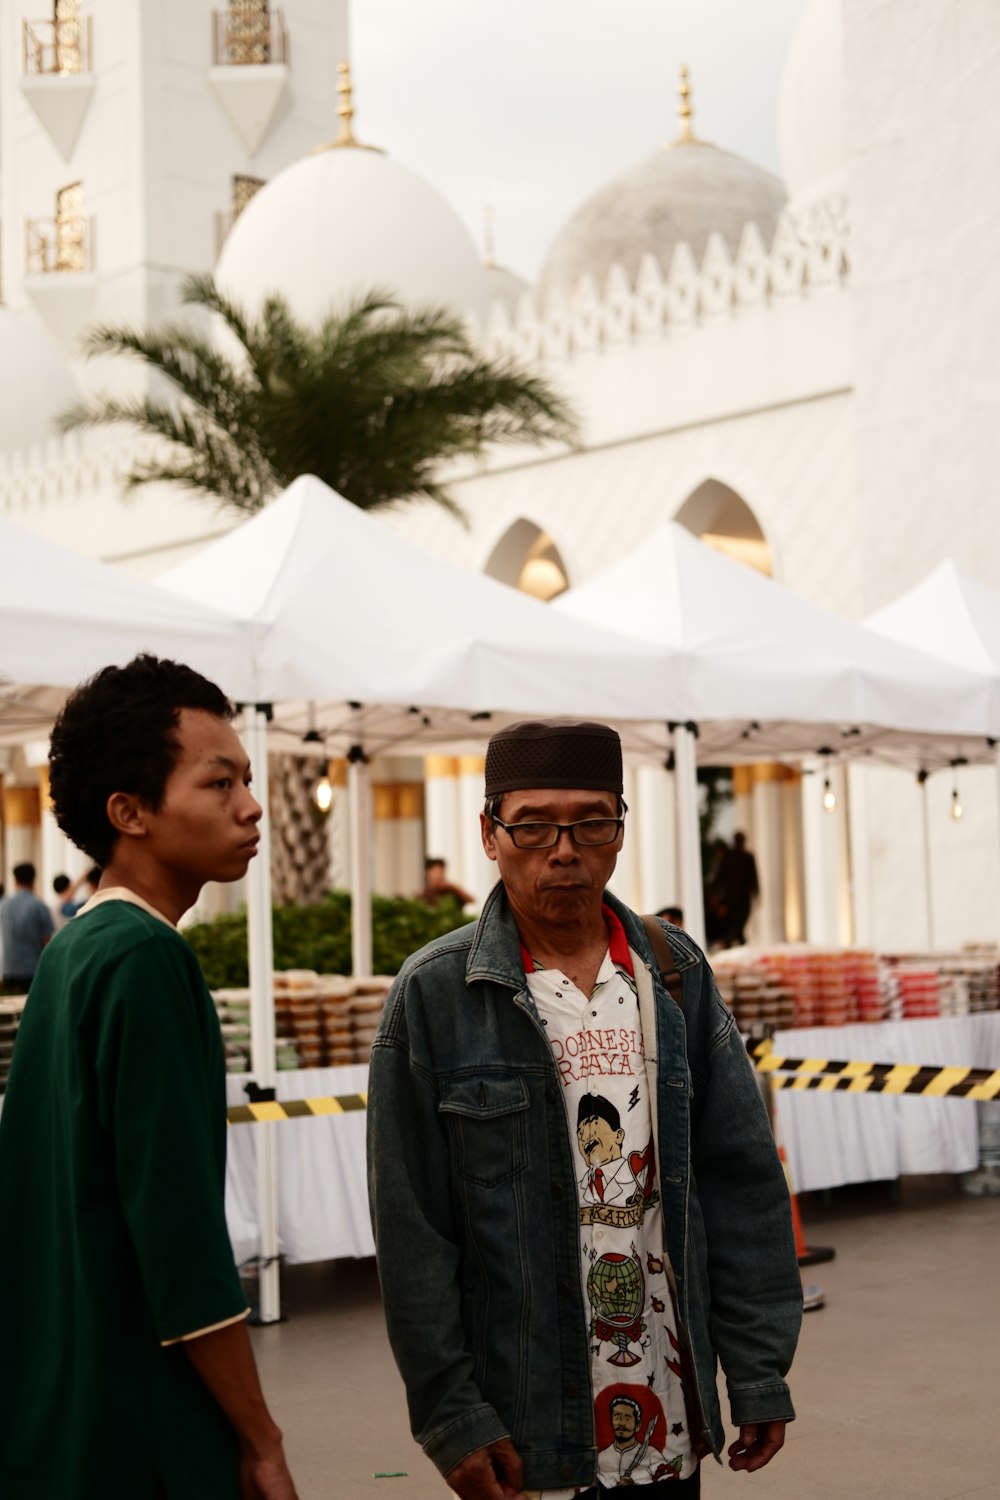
(756, 1445)
(266, 1478)
(493, 1473)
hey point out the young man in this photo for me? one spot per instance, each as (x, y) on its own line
(558, 1330)
(127, 1372)
(26, 924)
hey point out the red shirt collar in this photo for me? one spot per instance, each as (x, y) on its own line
(617, 945)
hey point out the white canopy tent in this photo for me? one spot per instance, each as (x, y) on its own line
(954, 616)
(767, 674)
(64, 616)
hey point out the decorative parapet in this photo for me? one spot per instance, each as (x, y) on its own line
(808, 256)
(67, 468)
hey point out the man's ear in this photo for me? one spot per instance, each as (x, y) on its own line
(127, 814)
(488, 832)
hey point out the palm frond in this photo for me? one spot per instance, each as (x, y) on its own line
(373, 401)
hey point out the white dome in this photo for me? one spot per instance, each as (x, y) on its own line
(341, 222)
(504, 286)
(37, 384)
(681, 193)
(811, 133)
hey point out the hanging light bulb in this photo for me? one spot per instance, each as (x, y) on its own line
(956, 805)
(829, 797)
(323, 793)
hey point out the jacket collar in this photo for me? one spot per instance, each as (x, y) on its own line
(495, 953)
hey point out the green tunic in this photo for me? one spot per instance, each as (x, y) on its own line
(113, 1236)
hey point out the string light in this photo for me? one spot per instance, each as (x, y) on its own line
(956, 801)
(323, 793)
(829, 797)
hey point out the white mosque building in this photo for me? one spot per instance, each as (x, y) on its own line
(800, 371)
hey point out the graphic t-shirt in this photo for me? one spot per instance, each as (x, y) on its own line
(640, 1421)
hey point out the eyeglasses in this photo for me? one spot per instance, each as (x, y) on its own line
(588, 833)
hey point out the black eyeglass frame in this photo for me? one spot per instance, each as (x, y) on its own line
(560, 828)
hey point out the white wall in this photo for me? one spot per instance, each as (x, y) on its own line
(923, 79)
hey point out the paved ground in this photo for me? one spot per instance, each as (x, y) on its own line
(895, 1381)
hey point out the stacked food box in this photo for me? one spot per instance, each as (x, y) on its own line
(10, 1016)
(799, 986)
(320, 1020)
(755, 992)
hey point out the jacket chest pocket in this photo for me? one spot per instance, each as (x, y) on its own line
(487, 1125)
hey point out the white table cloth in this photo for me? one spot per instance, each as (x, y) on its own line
(831, 1139)
(322, 1182)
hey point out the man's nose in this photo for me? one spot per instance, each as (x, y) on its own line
(564, 845)
(252, 812)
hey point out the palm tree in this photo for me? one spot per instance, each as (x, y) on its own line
(373, 401)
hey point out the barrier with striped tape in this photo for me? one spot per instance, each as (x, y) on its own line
(830, 1076)
(823, 1074)
(295, 1109)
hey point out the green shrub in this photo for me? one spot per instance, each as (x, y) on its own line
(319, 937)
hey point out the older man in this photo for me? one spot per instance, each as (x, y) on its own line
(527, 1301)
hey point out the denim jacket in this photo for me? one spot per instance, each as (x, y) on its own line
(472, 1183)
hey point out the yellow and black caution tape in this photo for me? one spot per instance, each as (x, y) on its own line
(797, 1073)
(830, 1076)
(295, 1109)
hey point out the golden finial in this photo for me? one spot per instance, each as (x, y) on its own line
(489, 246)
(345, 113)
(345, 105)
(685, 113)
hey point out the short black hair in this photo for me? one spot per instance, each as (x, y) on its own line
(116, 734)
(627, 1401)
(61, 883)
(432, 860)
(25, 874)
(595, 1106)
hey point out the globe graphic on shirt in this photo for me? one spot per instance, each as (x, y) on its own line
(616, 1290)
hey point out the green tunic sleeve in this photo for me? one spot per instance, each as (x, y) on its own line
(161, 1092)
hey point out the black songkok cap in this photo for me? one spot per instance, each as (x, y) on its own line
(563, 753)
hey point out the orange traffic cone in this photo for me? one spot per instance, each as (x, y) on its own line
(806, 1257)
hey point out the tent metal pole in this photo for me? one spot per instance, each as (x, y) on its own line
(925, 820)
(260, 941)
(688, 831)
(361, 862)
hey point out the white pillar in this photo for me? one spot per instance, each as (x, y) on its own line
(688, 832)
(359, 794)
(928, 861)
(767, 919)
(817, 839)
(260, 944)
(652, 824)
(998, 789)
(860, 854)
(478, 874)
(442, 816)
(338, 827)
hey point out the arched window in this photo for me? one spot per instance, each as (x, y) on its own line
(527, 558)
(720, 518)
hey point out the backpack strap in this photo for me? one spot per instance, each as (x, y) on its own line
(664, 959)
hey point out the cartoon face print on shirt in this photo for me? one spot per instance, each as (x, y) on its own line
(631, 1432)
(614, 1188)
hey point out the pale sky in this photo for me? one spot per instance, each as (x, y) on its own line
(531, 105)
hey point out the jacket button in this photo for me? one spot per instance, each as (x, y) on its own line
(562, 1287)
(565, 1471)
(558, 1191)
